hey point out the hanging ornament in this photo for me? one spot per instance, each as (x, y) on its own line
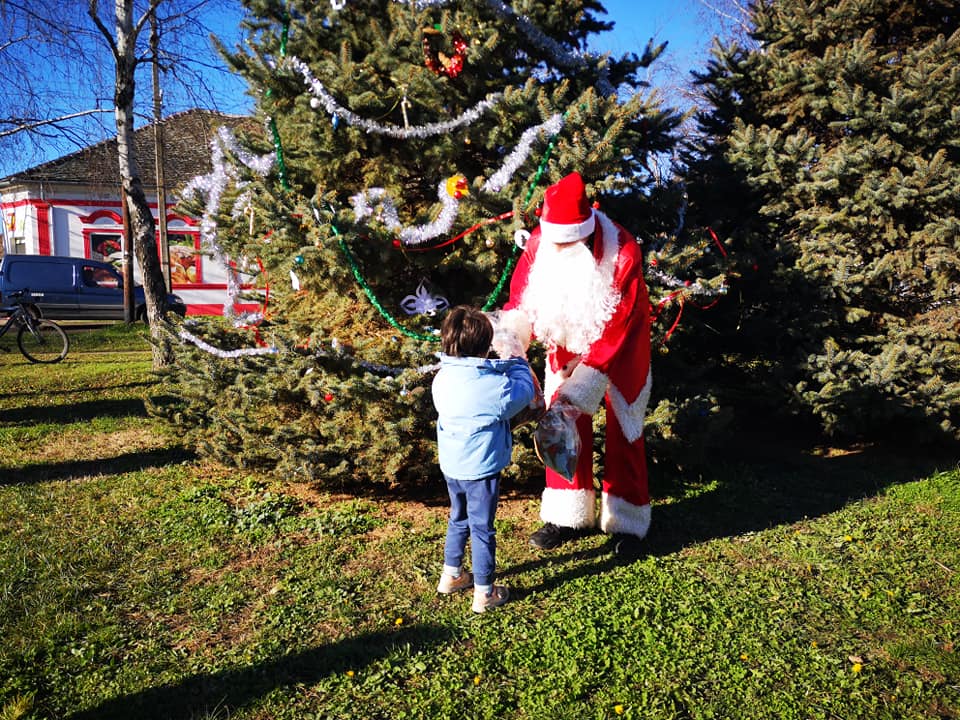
(423, 303)
(520, 238)
(294, 281)
(438, 62)
(457, 187)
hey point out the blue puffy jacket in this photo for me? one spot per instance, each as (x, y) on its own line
(475, 399)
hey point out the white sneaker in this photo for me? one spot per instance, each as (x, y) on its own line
(482, 602)
(450, 584)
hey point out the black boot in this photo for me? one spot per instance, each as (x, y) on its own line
(552, 536)
(625, 546)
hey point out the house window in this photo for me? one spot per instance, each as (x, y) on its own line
(100, 277)
(103, 236)
(106, 246)
(185, 261)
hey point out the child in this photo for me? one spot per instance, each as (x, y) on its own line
(475, 397)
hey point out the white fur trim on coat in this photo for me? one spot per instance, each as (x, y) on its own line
(619, 516)
(585, 388)
(631, 415)
(551, 381)
(569, 508)
(561, 234)
(610, 236)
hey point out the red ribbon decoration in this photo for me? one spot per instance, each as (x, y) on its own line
(263, 306)
(659, 309)
(451, 241)
(716, 240)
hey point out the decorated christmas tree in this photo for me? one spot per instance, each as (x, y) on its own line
(829, 162)
(405, 152)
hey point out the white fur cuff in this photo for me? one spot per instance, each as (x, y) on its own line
(585, 388)
(619, 516)
(569, 508)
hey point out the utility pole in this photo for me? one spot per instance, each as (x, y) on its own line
(129, 309)
(158, 151)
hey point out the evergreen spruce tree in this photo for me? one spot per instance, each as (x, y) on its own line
(834, 146)
(407, 145)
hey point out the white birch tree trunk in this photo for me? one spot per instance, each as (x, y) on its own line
(142, 230)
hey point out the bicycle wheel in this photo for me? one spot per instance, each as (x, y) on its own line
(45, 343)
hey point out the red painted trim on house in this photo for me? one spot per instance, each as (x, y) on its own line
(218, 286)
(217, 308)
(43, 228)
(207, 286)
(204, 308)
(76, 202)
(192, 222)
(16, 203)
(98, 215)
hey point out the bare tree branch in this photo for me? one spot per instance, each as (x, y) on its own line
(93, 10)
(28, 124)
(731, 10)
(138, 26)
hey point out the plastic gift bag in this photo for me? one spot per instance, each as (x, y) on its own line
(557, 441)
(511, 333)
(511, 337)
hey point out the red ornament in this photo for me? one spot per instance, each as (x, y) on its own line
(596, 204)
(328, 397)
(438, 62)
(653, 261)
(396, 243)
(687, 283)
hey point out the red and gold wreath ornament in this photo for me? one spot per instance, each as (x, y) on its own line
(439, 62)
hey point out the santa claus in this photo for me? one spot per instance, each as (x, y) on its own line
(579, 284)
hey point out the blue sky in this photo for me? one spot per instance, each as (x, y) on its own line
(686, 25)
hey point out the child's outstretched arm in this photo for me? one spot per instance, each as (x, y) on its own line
(521, 389)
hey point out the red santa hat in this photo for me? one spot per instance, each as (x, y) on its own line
(567, 216)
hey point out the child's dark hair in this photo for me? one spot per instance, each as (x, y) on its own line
(466, 332)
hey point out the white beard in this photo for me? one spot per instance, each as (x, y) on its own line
(569, 298)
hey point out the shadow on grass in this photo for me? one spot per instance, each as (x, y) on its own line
(74, 412)
(47, 393)
(223, 692)
(749, 495)
(129, 462)
(772, 489)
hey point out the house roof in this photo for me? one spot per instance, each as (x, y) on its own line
(186, 154)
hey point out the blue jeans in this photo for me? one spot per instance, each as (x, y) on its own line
(473, 506)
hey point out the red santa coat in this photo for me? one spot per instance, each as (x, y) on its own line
(615, 366)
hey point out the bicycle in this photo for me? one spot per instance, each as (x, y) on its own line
(39, 340)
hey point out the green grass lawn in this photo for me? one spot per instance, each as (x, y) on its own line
(137, 581)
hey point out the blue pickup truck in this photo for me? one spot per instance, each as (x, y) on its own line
(70, 288)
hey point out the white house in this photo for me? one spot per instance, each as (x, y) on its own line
(71, 206)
